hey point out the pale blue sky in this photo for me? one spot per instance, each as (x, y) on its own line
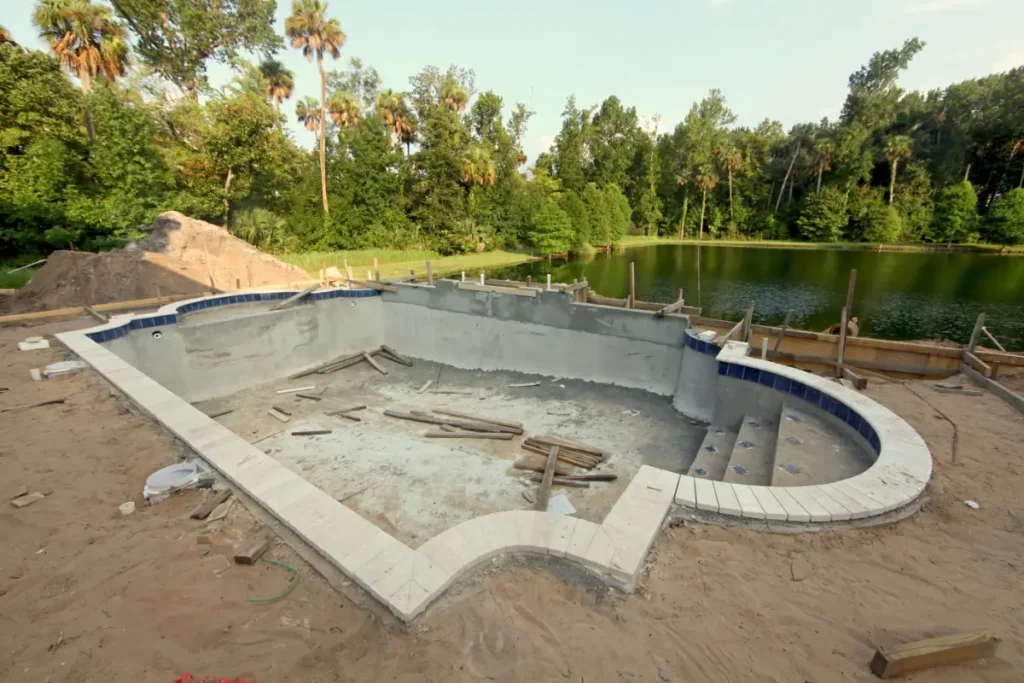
(782, 59)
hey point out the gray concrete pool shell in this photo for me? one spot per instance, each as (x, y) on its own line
(204, 348)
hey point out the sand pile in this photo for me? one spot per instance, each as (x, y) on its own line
(179, 257)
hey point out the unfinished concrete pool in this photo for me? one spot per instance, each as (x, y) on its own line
(410, 466)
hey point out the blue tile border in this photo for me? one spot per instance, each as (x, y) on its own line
(215, 301)
(813, 396)
(699, 345)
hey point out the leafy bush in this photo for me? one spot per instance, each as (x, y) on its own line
(956, 214)
(824, 216)
(1004, 222)
(552, 229)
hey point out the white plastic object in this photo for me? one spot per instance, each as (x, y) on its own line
(127, 508)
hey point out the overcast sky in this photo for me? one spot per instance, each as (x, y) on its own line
(782, 59)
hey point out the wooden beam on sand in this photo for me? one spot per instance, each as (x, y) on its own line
(1011, 397)
(544, 492)
(34, 263)
(671, 308)
(926, 654)
(514, 427)
(295, 297)
(78, 310)
(377, 366)
(96, 314)
(503, 436)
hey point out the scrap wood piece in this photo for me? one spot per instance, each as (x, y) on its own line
(96, 314)
(311, 432)
(279, 416)
(575, 445)
(859, 382)
(309, 397)
(209, 504)
(426, 385)
(26, 500)
(296, 389)
(220, 413)
(377, 366)
(546, 479)
(530, 467)
(282, 410)
(395, 355)
(524, 384)
(252, 552)
(26, 406)
(516, 426)
(370, 284)
(926, 654)
(295, 297)
(469, 426)
(470, 435)
(946, 388)
(597, 476)
(328, 364)
(671, 308)
(566, 457)
(448, 428)
(341, 365)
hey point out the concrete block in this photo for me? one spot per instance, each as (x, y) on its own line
(413, 567)
(562, 530)
(773, 510)
(794, 511)
(369, 574)
(655, 483)
(817, 511)
(598, 555)
(749, 505)
(836, 510)
(872, 505)
(857, 506)
(706, 498)
(450, 552)
(728, 504)
(579, 542)
(506, 527)
(686, 493)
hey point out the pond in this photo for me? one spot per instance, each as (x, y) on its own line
(899, 295)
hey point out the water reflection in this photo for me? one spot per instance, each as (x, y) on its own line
(898, 295)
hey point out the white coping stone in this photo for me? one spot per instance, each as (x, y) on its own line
(794, 511)
(686, 493)
(727, 502)
(656, 482)
(582, 534)
(874, 505)
(773, 510)
(858, 507)
(836, 509)
(562, 530)
(749, 505)
(706, 498)
(451, 552)
(817, 511)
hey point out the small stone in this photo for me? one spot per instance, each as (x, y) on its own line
(25, 501)
(663, 674)
(529, 497)
(626, 677)
(800, 569)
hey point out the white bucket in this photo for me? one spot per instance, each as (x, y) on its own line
(127, 508)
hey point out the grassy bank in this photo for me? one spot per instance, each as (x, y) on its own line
(631, 241)
(394, 262)
(14, 280)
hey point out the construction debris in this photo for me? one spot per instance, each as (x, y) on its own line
(210, 503)
(926, 654)
(252, 552)
(947, 388)
(376, 366)
(34, 405)
(461, 424)
(34, 344)
(295, 297)
(311, 432)
(297, 389)
(426, 385)
(282, 410)
(469, 435)
(27, 499)
(523, 385)
(511, 427)
(64, 366)
(309, 397)
(279, 416)
(546, 480)
(561, 481)
(393, 355)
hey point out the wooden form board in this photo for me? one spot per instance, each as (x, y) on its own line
(927, 654)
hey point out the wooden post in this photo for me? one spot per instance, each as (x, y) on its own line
(376, 269)
(430, 275)
(544, 493)
(782, 330)
(849, 292)
(698, 276)
(679, 295)
(764, 348)
(748, 318)
(482, 280)
(238, 284)
(842, 343)
(529, 280)
(632, 285)
(323, 271)
(993, 339)
(549, 282)
(976, 335)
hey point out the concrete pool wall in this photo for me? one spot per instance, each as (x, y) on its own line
(209, 347)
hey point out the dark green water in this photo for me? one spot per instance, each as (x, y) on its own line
(898, 295)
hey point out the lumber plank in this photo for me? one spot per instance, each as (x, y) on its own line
(926, 654)
(209, 504)
(377, 366)
(295, 297)
(96, 314)
(279, 416)
(561, 481)
(76, 310)
(859, 382)
(370, 284)
(544, 492)
(252, 552)
(863, 364)
(462, 424)
(977, 363)
(503, 436)
(530, 467)
(318, 368)
(671, 308)
(575, 445)
(34, 405)
(342, 365)
(426, 385)
(309, 397)
(395, 355)
(516, 426)
(1011, 397)
(311, 432)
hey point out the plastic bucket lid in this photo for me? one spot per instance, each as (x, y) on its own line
(172, 477)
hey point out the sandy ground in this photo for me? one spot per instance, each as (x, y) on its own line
(415, 487)
(88, 595)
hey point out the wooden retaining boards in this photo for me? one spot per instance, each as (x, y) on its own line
(78, 310)
(926, 654)
(867, 364)
(1013, 398)
(295, 297)
(512, 427)
(639, 306)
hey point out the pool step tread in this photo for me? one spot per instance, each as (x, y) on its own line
(713, 456)
(752, 454)
(810, 451)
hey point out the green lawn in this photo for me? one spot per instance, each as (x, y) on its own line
(395, 262)
(14, 280)
(642, 241)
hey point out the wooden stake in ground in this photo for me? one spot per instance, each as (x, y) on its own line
(377, 366)
(376, 269)
(252, 552)
(632, 286)
(99, 316)
(926, 654)
(842, 343)
(782, 330)
(544, 492)
(849, 292)
(430, 275)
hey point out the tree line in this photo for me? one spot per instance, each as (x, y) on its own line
(441, 165)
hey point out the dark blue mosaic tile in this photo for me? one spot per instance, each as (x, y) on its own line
(735, 371)
(148, 322)
(798, 389)
(865, 429)
(782, 384)
(843, 413)
(813, 396)
(723, 368)
(751, 374)
(854, 420)
(767, 379)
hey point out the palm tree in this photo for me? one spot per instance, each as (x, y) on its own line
(823, 150)
(897, 148)
(478, 167)
(681, 181)
(311, 30)
(731, 161)
(280, 81)
(705, 183)
(1018, 146)
(343, 108)
(86, 40)
(453, 95)
(397, 117)
(309, 113)
(5, 37)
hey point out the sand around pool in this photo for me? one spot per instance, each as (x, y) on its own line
(89, 595)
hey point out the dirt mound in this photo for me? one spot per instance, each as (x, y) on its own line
(179, 257)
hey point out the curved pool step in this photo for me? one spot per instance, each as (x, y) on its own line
(811, 451)
(753, 453)
(713, 456)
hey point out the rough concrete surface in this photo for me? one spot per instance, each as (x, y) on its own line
(415, 487)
